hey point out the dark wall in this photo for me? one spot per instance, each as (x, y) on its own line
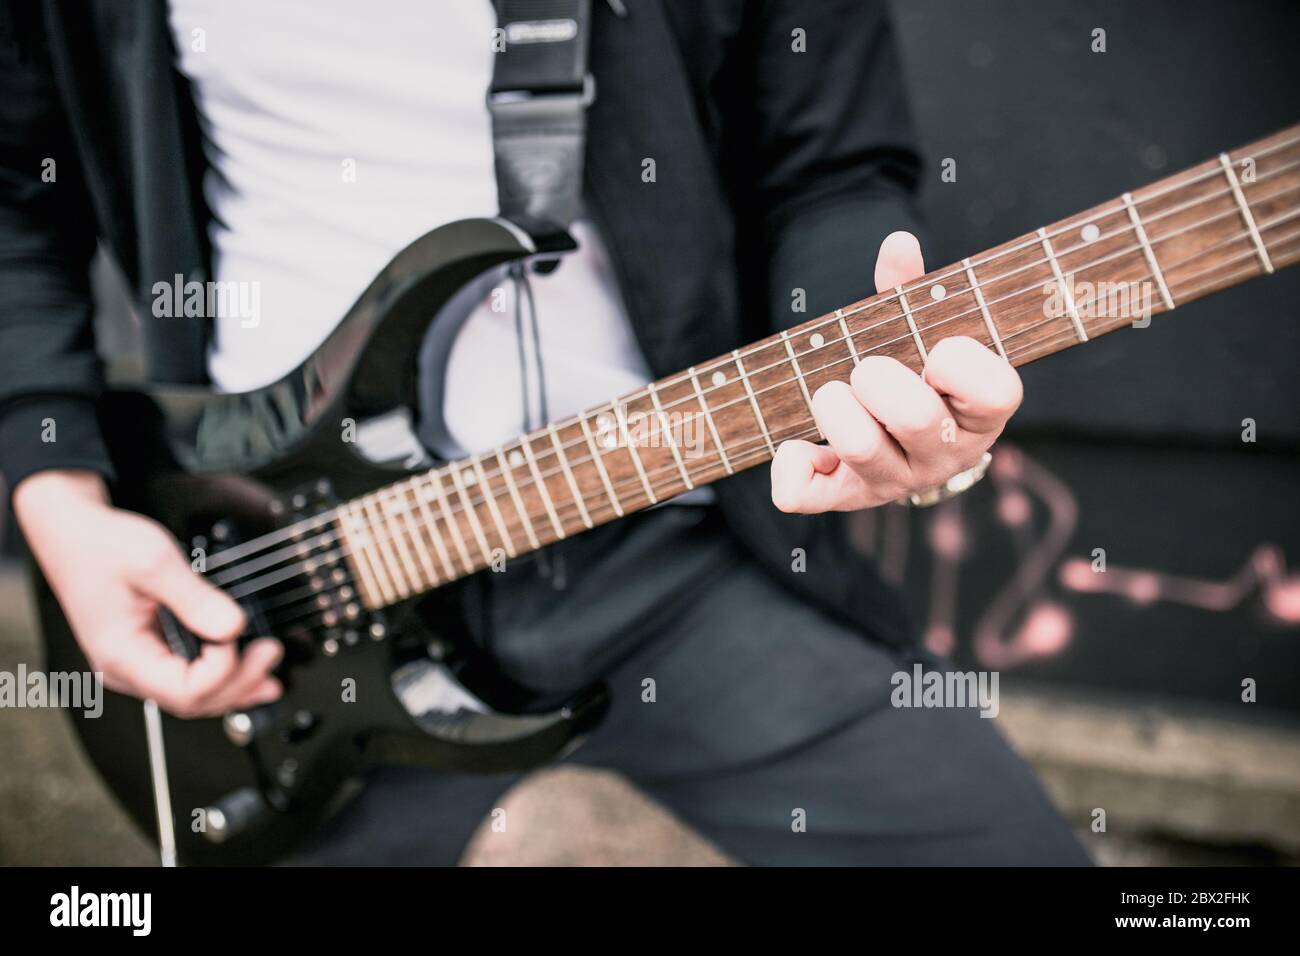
(1042, 127)
(1131, 444)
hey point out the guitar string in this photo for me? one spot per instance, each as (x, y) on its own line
(270, 539)
(266, 540)
(547, 453)
(576, 421)
(742, 459)
(717, 364)
(760, 450)
(668, 469)
(1176, 182)
(456, 509)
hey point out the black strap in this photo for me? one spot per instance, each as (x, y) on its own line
(538, 100)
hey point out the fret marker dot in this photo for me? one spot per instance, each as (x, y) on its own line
(1090, 232)
(937, 292)
(516, 458)
(816, 340)
(469, 477)
(719, 378)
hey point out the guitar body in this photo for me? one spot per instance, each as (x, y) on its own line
(362, 688)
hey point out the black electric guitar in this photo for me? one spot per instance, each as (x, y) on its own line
(345, 546)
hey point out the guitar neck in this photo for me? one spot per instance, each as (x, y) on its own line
(1215, 225)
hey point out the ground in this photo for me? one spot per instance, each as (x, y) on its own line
(1193, 792)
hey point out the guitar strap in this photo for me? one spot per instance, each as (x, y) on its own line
(538, 103)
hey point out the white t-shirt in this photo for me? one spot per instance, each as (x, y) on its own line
(336, 132)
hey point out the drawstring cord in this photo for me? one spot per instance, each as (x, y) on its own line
(524, 290)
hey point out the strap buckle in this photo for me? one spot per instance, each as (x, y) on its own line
(524, 104)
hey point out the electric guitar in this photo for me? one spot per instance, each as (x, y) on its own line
(286, 499)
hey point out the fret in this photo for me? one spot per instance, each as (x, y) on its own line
(543, 492)
(1273, 196)
(984, 309)
(382, 546)
(524, 517)
(668, 436)
(390, 507)
(620, 416)
(1191, 289)
(425, 492)
(708, 418)
(422, 549)
(1110, 279)
(568, 475)
(779, 389)
(457, 538)
(879, 328)
(490, 497)
(1068, 296)
(731, 412)
(690, 430)
(911, 324)
(1191, 220)
(848, 336)
(1147, 251)
(355, 552)
(600, 467)
(798, 372)
(1246, 215)
(467, 507)
(753, 401)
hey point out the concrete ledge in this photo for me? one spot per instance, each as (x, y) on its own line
(1162, 769)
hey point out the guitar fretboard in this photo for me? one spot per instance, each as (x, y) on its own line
(1217, 224)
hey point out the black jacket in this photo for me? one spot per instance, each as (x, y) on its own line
(777, 169)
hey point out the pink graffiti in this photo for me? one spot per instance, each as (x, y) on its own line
(1264, 573)
(1022, 621)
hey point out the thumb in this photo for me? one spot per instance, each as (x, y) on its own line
(898, 261)
(203, 609)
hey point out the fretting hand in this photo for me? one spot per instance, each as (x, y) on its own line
(891, 432)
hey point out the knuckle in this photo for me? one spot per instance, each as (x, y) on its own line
(914, 420)
(859, 450)
(1008, 397)
(868, 370)
(785, 499)
(827, 392)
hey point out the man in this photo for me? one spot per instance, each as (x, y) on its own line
(299, 146)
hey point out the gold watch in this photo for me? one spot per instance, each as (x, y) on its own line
(962, 481)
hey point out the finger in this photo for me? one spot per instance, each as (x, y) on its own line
(811, 479)
(252, 683)
(911, 411)
(203, 609)
(859, 440)
(179, 686)
(981, 387)
(898, 261)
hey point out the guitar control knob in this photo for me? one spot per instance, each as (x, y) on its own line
(242, 727)
(233, 814)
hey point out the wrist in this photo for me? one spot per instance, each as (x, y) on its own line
(51, 492)
(958, 483)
